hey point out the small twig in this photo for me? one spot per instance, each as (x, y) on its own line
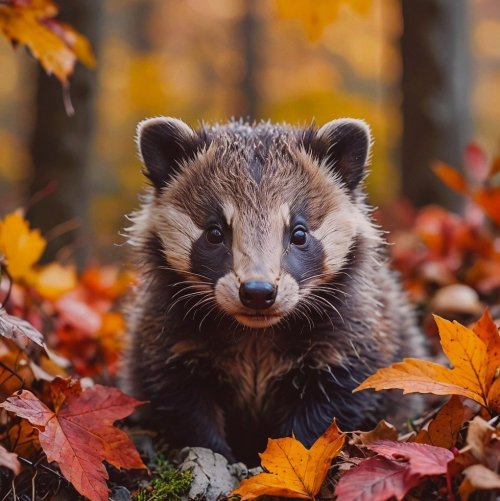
(33, 485)
(4, 271)
(44, 467)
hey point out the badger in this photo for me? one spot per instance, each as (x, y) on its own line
(264, 295)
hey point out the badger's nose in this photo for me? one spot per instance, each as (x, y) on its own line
(258, 295)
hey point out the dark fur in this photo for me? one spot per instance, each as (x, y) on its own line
(214, 383)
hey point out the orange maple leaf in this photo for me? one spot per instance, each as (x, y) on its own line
(79, 432)
(474, 354)
(56, 45)
(291, 469)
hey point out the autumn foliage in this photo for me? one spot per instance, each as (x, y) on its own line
(62, 333)
(57, 324)
(47, 410)
(57, 45)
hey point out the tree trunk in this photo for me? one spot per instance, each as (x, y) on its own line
(250, 44)
(436, 119)
(60, 147)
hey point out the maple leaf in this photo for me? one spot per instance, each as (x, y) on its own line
(79, 433)
(291, 469)
(20, 246)
(399, 467)
(475, 359)
(56, 45)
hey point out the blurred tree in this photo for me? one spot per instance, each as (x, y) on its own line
(436, 118)
(60, 145)
(250, 39)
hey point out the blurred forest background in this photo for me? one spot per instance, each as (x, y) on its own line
(425, 74)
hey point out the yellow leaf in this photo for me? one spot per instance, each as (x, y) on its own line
(470, 376)
(55, 280)
(293, 470)
(56, 45)
(317, 15)
(20, 246)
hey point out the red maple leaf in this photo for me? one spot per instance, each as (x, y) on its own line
(79, 433)
(399, 467)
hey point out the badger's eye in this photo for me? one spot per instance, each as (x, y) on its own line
(214, 235)
(299, 236)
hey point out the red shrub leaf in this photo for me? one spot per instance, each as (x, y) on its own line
(80, 434)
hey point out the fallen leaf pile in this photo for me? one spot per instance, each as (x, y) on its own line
(397, 468)
(57, 325)
(47, 419)
(55, 44)
(78, 433)
(450, 262)
(437, 460)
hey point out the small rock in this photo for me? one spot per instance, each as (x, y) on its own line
(213, 477)
(120, 494)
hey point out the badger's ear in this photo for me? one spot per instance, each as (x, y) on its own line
(344, 146)
(164, 143)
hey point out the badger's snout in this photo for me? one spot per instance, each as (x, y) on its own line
(257, 295)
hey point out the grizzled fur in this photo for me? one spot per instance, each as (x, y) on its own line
(221, 375)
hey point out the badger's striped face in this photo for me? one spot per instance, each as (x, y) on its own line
(254, 222)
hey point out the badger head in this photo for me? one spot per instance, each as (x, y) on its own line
(258, 222)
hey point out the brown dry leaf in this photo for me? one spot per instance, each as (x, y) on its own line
(23, 439)
(56, 45)
(483, 441)
(291, 469)
(383, 431)
(443, 429)
(472, 360)
(15, 371)
(478, 477)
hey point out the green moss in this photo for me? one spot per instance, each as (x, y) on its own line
(168, 483)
